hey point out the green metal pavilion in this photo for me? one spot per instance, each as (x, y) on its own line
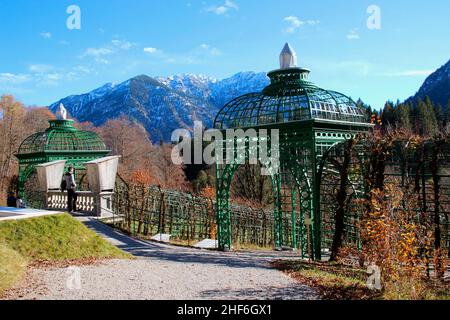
(311, 122)
(61, 141)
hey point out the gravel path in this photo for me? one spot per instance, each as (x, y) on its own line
(168, 272)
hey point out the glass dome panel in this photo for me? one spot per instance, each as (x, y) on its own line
(289, 98)
(62, 137)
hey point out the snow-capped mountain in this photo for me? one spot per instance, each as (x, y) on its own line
(162, 105)
(437, 87)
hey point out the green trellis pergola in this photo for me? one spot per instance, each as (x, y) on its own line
(312, 123)
(61, 141)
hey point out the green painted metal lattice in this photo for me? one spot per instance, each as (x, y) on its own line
(289, 98)
(61, 141)
(311, 121)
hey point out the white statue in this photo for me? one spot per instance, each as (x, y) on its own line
(288, 57)
(61, 113)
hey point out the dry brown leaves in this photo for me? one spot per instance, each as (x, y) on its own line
(32, 283)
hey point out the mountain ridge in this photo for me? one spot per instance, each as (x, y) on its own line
(162, 104)
(436, 87)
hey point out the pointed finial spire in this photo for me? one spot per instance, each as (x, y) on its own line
(61, 113)
(288, 57)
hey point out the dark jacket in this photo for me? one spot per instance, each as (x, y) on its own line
(11, 202)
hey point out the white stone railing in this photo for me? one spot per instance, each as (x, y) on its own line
(99, 205)
(58, 201)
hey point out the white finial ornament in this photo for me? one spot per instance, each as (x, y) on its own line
(288, 57)
(61, 113)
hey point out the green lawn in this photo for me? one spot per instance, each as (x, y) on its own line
(50, 238)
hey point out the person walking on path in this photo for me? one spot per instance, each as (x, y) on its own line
(71, 186)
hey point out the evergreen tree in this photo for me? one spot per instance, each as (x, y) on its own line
(426, 118)
(447, 115)
(365, 107)
(388, 117)
(432, 116)
(440, 117)
(402, 117)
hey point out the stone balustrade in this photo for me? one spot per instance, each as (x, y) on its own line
(98, 204)
(58, 201)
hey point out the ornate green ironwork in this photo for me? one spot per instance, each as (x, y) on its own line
(61, 141)
(311, 122)
(289, 98)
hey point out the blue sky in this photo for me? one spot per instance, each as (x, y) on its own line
(41, 60)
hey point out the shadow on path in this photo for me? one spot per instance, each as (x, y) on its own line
(293, 292)
(154, 250)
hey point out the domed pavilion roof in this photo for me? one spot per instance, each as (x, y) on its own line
(290, 97)
(62, 137)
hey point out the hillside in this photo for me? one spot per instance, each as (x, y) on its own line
(436, 86)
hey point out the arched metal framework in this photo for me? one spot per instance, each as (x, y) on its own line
(61, 141)
(310, 122)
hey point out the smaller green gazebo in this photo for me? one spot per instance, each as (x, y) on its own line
(61, 141)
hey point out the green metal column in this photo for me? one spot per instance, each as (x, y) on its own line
(278, 212)
(294, 218)
(315, 209)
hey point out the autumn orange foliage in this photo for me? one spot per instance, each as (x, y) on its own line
(141, 177)
(391, 235)
(209, 193)
(16, 123)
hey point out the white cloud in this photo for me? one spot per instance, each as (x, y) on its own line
(294, 23)
(230, 4)
(223, 9)
(150, 50)
(41, 76)
(98, 54)
(50, 79)
(407, 73)
(353, 35)
(40, 68)
(11, 78)
(210, 50)
(82, 69)
(45, 35)
(313, 22)
(53, 76)
(39, 79)
(122, 44)
(198, 55)
(219, 10)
